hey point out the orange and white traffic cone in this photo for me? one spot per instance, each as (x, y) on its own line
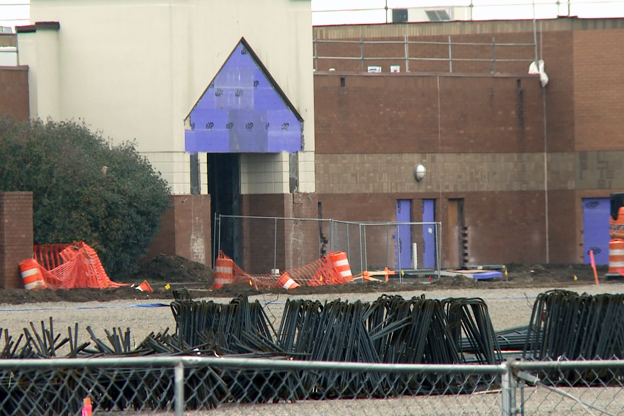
(31, 275)
(144, 287)
(287, 282)
(341, 264)
(223, 272)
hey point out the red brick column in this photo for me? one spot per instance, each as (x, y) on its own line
(185, 230)
(16, 236)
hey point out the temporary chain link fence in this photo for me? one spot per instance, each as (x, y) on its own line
(568, 387)
(396, 245)
(242, 386)
(259, 244)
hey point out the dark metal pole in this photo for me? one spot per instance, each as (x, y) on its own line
(275, 244)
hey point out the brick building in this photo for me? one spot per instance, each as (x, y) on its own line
(515, 172)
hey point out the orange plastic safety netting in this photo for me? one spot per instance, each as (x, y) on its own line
(69, 266)
(324, 271)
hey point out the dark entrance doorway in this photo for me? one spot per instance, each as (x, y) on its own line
(225, 199)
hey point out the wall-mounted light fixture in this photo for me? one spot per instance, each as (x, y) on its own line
(419, 172)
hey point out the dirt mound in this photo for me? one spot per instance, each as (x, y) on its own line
(172, 269)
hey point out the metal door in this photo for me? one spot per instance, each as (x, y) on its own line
(404, 235)
(596, 213)
(429, 237)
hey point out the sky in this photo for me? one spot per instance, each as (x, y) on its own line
(14, 12)
(329, 12)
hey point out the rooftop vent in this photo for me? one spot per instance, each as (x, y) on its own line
(399, 15)
(441, 15)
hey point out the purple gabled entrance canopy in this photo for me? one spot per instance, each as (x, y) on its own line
(243, 110)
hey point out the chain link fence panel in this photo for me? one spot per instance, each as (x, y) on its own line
(237, 386)
(570, 388)
(179, 385)
(261, 244)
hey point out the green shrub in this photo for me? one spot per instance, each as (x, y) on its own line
(84, 189)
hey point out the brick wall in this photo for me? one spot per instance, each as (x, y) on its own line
(565, 234)
(164, 241)
(16, 236)
(185, 230)
(297, 241)
(446, 172)
(488, 148)
(14, 92)
(581, 60)
(503, 227)
(598, 89)
(410, 113)
(303, 206)
(481, 139)
(560, 99)
(258, 235)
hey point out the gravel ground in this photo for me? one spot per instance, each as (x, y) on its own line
(507, 307)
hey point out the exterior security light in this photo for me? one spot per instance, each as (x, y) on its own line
(419, 172)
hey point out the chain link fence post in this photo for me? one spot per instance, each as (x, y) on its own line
(179, 389)
(509, 391)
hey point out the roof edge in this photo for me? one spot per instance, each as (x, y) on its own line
(56, 26)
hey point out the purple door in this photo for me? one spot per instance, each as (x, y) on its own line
(428, 249)
(404, 232)
(596, 213)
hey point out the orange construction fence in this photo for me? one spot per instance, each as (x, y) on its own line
(332, 269)
(69, 266)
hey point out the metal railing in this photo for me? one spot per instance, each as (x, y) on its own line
(259, 244)
(406, 58)
(460, 10)
(242, 386)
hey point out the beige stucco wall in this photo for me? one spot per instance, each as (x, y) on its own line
(134, 69)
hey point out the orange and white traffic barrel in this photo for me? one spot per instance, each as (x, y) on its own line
(223, 272)
(341, 263)
(286, 282)
(31, 275)
(616, 256)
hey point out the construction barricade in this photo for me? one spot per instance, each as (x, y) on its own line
(65, 266)
(332, 269)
